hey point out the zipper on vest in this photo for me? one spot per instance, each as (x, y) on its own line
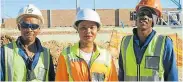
(88, 69)
(138, 72)
(88, 66)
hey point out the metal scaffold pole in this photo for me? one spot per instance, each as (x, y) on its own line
(1, 14)
(77, 6)
(94, 5)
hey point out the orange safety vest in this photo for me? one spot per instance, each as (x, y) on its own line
(72, 67)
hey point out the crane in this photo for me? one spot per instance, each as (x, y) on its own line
(178, 3)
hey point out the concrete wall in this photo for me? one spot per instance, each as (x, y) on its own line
(107, 16)
(45, 15)
(124, 16)
(10, 23)
(61, 18)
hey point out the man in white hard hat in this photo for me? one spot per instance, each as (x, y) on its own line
(85, 60)
(26, 59)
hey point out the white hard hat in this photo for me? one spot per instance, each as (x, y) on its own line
(87, 14)
(30, 10)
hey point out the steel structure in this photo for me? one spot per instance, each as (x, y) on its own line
(178, 3)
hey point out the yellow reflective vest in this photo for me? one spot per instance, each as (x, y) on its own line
(151, 66)
(15, 68)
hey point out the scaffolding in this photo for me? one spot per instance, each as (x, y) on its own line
(171, 19)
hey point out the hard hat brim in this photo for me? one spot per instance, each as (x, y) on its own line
(77, 23)
(19, 18)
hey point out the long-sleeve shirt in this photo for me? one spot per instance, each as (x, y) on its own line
(24, 56)
(169, 60)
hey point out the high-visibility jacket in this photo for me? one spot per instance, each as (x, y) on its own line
(15, 68)
(151, 66)
(72, 67)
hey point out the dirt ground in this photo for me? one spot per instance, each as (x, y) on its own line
(58, 38)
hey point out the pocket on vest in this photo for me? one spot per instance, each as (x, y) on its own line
(41, 73)
(98, 76)
(152, 62)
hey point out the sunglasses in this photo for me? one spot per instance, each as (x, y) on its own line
(144, 13)
(27, 25)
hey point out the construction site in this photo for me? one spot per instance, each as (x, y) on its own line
(58, 32)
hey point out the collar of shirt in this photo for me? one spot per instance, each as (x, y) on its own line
(37, 41)
(148, 39)
(30, 64)
(86, 56)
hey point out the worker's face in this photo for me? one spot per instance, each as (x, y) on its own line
(30, 28)
(87, 31)
(144, 20)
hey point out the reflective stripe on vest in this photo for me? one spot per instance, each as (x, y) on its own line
(68, 64)
(46, 63)
(11, 52)
(151, 67)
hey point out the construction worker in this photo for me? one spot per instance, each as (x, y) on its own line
(146, 55)
(26, 59)
(85, 60)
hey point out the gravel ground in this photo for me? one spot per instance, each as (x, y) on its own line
(58, 38)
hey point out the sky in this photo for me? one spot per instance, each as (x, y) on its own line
(10, 8)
